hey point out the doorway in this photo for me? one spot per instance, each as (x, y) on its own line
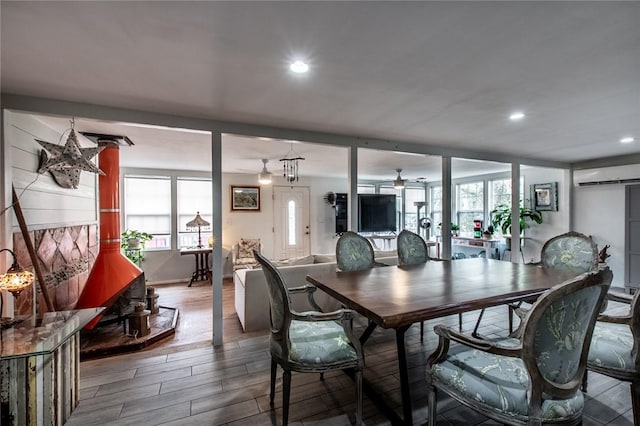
(291, 233)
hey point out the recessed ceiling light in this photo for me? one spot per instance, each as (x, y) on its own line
(627, 139)
(516, 116)
(299, 67)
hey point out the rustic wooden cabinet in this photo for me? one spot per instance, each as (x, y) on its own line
(40, 368)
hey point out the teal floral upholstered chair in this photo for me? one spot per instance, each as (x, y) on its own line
(571, 251)
(308, 342)
(412, 249)
(354, 253)
(615, 345)
(533, 380)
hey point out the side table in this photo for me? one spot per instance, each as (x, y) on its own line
(202, 271)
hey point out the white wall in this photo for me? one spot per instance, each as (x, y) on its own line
(170, 266)
(553, 222)
(599, 211)
(45, 204)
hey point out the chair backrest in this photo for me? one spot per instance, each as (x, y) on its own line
(571, 251)
(279, 304)
(412, 249)
(557, 334)
(634, 324)
(354, 252)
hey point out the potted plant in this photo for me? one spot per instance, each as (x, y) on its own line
(132, 242)
(454, 228)
(501, 218)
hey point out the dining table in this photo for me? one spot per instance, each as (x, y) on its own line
(395, 297)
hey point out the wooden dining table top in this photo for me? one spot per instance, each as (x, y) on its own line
(397, 296)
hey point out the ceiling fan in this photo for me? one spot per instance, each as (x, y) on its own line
(264, 177)
(399, 183)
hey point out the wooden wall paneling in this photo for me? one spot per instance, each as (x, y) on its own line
(44, 202)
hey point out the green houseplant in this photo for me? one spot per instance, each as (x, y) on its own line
(455, 228)
(132, 242)
(501, 218)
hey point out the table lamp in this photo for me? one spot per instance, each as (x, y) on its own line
(15, 279)
(197, 222)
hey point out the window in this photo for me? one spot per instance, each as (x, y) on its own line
(435, 201)
(292, 222)
(194, 196)
(470, 205)
(500, 193)
(147, 203)
(366, 189)
(412, 196)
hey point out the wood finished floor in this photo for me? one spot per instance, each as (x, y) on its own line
(185, 381)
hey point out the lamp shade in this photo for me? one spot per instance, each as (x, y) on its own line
(197, 222)
(16, 278)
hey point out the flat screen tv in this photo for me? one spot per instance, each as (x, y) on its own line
(376, 213)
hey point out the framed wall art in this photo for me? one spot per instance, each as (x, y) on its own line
(545, 196)
(245, 198)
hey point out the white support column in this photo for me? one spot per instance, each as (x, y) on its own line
(353, 189)
(515, 213)
(216, 276)
(447, 206)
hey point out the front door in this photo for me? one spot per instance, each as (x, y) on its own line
(291, 222)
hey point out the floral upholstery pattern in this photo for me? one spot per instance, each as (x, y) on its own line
(354, 253)
(323, 342)
(611, 347)
(571, 251)
(411, 248)
(499, 382)
(501, 378)
(614, 347)
(560, 339)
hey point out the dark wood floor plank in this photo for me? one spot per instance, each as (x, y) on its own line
(155, 417)
(138, 382)
(185, 381)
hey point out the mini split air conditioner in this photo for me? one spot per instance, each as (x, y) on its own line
(607, 175)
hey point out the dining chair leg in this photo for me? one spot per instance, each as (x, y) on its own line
(421, 331)
(432, 398)
(585, 379)
(359, 397)
(274, 367)
(460, 322)
(286, 390)
(635, 402)
(475, 329)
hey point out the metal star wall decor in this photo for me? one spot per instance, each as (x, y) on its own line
(66, 162)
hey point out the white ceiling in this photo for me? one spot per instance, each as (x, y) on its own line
(440, 73)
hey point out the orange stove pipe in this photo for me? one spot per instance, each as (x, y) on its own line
(112, 272)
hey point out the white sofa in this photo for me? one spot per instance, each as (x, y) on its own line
(251, 299)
